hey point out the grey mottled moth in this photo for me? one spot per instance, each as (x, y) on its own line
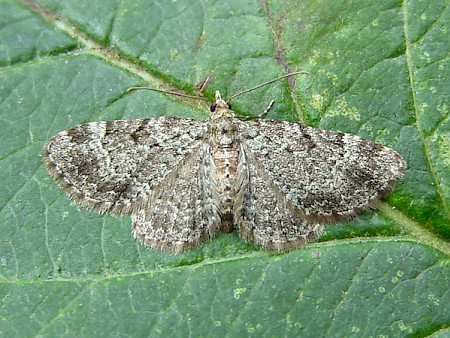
(184, 180)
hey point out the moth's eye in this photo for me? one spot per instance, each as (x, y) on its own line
(213, 108)
(229, 106)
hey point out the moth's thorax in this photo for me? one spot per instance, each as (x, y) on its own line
(225, 154)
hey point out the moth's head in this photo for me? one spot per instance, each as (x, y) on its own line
(220, 106)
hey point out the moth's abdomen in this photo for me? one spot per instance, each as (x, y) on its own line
(226, 161)
(225, 174)
(225, 155)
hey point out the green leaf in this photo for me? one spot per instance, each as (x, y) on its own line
(378, 69)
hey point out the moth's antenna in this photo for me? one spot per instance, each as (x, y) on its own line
(264, 84)
(205, 83)
(168, 92)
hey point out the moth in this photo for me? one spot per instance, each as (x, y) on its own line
(183, 181)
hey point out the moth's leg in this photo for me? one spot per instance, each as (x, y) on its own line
(202, 85)
(263, 114)
(266, 111)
